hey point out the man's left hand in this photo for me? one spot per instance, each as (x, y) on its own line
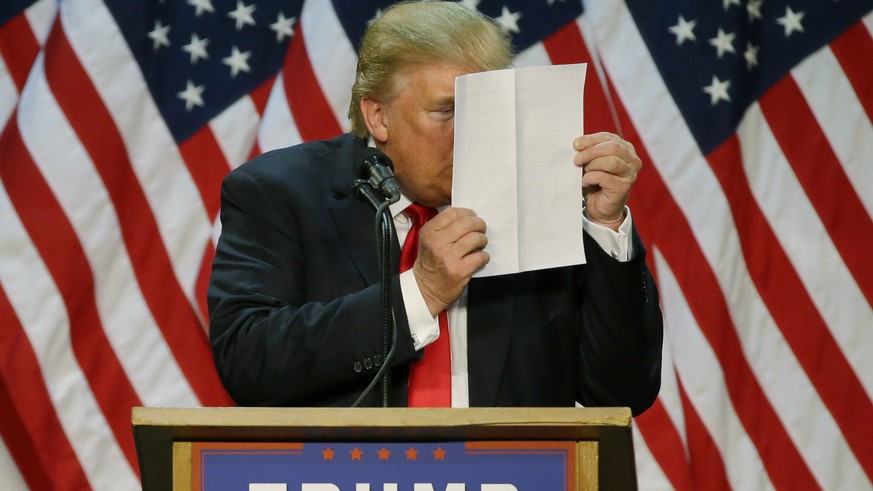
(610, 166)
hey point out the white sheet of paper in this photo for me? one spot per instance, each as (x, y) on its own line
(513, 164)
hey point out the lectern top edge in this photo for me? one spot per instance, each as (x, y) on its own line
(380, 417)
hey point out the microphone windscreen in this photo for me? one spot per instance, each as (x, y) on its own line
(365, 158)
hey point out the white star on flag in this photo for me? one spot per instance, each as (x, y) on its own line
(751, 55)
(238, 61)
(791, 21)
(160, 35)
(192, 95)
(684, 30)
(201, 6)
(509, 20)
(717, 90)
(754, 9)
(197, 48)
(283, 27)
(727, 3)
(723, 42)
(242, 15)
(373, 19)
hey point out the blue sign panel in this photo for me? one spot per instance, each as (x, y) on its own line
(349, 466)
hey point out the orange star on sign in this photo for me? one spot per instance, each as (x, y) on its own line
(356, 454)
(439, 454)
(327, 454)
(412, 454)
(384, 453)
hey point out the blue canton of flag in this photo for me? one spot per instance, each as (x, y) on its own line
(701, 47)
(527, 22)
(199, 56)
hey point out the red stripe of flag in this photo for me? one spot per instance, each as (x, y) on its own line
(55, 239)
(260, 97)
(31, 428)
(665, 444)
(312, 113)
(567, 46)
(207, 165)
(790, 305)
(661, 434)
(854, 50)
(255, 151)
(19, 48)
(18, 440)
(661, 220)
(202, 285)
(822, 177)
(174, 314)
(707, 465)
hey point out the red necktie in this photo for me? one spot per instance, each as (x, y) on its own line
(430, 379)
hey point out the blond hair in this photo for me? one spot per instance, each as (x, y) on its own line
(417, 33)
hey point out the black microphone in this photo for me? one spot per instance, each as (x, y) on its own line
(375, 166)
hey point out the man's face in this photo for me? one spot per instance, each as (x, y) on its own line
(419, 132)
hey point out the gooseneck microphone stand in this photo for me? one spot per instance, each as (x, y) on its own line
(384, 231)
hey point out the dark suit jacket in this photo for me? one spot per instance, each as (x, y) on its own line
(294, 304)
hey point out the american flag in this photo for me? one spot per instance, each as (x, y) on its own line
(753, 119)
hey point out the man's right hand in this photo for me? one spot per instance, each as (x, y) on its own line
(449, 252)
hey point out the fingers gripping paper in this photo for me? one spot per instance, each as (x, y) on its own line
(513, 164)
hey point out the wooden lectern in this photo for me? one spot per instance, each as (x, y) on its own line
(598, 440)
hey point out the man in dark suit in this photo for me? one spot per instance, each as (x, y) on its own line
(294, 294)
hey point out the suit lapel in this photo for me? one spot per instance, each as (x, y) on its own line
(489, 327)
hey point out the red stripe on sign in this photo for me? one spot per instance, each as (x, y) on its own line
(57, 243)
(854, 50)
(170, 307)
(19, 48)
(662, 221)
(823, 179)
(312, 113)
(31, 428)
(790, 305)
(665, 444)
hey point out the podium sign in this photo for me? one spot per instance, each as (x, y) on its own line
(375, 449)
(496, 466)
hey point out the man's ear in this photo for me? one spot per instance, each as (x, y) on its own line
(375, 119)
